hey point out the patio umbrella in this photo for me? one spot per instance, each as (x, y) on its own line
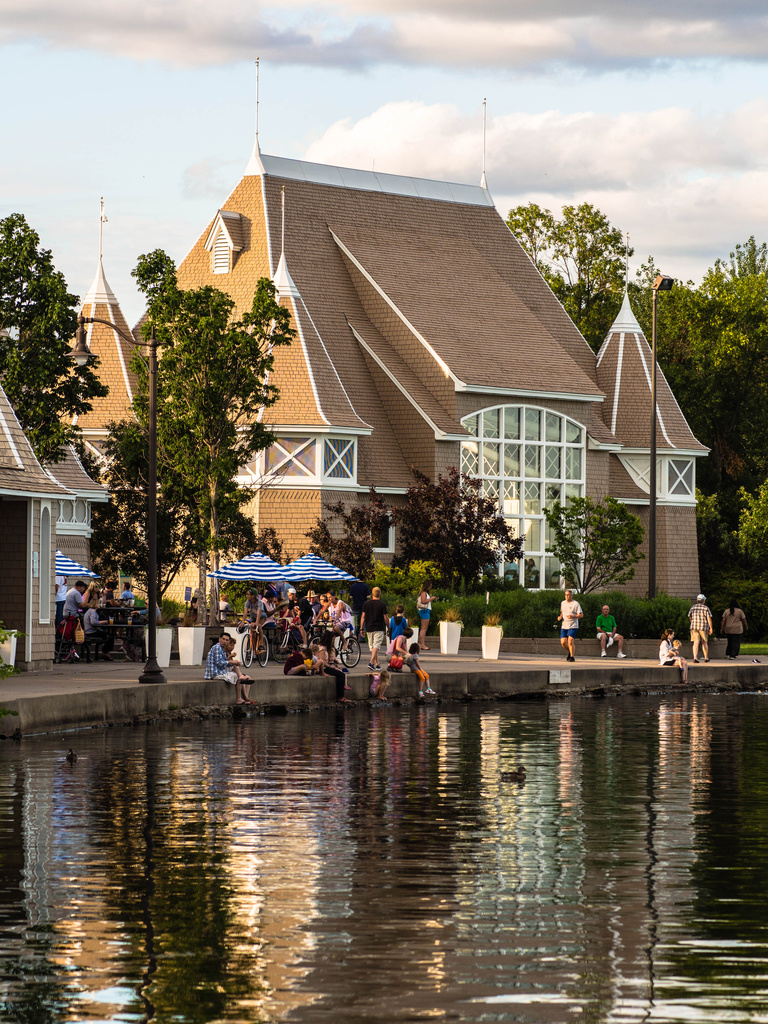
(310, 567)
(66, 567)
(253, 568)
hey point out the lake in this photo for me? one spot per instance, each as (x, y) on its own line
(371, 865)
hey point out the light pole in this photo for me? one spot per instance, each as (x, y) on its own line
(80, 353)
(661, 284)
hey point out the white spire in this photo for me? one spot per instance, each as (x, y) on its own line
(255, 166)
(626, 320)
(100, 292)
(283, 280)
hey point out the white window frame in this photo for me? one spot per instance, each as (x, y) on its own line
(523, 521)
(45, 578)
(390, 548)
(256, 474)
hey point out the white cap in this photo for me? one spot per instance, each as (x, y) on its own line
(700, 597)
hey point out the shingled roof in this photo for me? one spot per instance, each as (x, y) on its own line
(114, 356)
(20, 472)
(624, 374)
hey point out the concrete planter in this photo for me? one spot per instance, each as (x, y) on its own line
(191, 645)
(8, 649)
(450, 637)
(491, 641)
(164, 644)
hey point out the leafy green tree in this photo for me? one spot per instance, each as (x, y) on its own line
(38, 318)
(583, 259)
(213, 382)
(596, 542)
(348, 536)
(450, 522)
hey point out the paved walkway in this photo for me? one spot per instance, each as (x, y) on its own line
(103, 675)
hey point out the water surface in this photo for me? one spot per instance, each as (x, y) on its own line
(371, 866)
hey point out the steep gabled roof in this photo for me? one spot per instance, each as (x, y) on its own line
(624, 373)
(114, 355)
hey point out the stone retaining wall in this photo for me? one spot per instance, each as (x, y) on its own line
(586, 647)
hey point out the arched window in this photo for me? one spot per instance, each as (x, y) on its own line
(46, 577)
(527, 458)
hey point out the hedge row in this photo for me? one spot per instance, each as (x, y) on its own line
(534, 614)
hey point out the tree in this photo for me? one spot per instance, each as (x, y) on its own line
(348, 535)
(451, 523)
(213, 383)
(596, 542)
(582, 258)
(37, 320)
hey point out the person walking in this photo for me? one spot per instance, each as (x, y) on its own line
(359, 593)
(701, 627)
(424, 608)
(373, 622)
(570, 613)
(734, 625)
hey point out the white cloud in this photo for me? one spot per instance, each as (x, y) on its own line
(687, 187)
(355, 33)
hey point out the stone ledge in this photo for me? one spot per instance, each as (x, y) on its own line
(586, 647)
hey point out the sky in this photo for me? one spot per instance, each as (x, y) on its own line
(656, 114)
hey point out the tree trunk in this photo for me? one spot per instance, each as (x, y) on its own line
(202, 608)
(214, 554)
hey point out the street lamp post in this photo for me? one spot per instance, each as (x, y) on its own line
(80, 353)
(661, 284)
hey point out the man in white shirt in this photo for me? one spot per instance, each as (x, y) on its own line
(61, 597)
(570, 613)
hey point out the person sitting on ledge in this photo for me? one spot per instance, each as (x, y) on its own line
(669, 653)
(221, 664)
(606, 632)
(300, 663)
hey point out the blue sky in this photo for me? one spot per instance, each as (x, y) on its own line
(662, 122)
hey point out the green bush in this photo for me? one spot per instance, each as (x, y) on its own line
(527, 613)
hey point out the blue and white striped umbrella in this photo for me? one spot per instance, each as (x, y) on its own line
(251, 569)
(66, 567)
(310, 567)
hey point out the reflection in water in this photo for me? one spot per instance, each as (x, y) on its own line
(372, 866)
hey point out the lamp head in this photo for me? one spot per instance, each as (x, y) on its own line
(80, 352)
(663, 283)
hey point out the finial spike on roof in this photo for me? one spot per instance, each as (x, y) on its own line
(626, 320)
(283, 281)
(100, 293)
(255, 166)
(483, 179)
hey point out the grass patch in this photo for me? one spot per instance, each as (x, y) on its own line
(754, 649)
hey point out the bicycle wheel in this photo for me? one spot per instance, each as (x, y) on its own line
(284, 647)
(351, 656)
(247, 650)
(262, 654)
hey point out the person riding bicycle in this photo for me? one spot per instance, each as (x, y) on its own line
(253, 617)
(341, 618)
(289, 618)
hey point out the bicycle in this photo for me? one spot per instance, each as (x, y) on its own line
(349, 656)
(261, 653)
(282, 647)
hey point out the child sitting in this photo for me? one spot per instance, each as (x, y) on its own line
(412, 661)
(379, 684)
